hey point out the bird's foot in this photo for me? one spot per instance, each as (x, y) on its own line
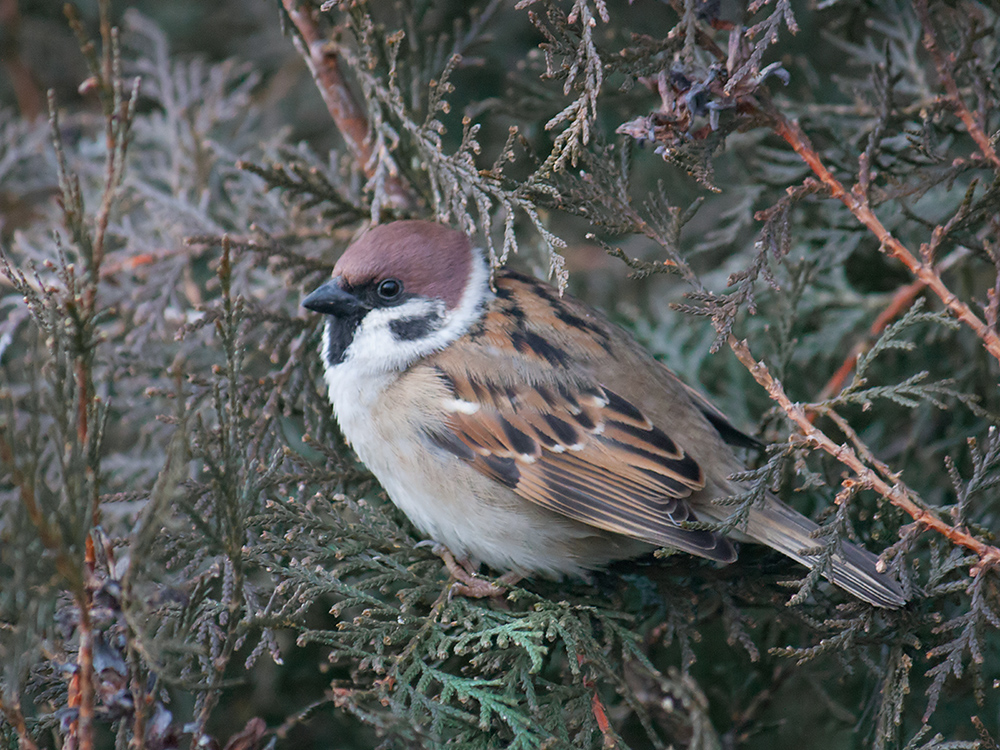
(467, 582)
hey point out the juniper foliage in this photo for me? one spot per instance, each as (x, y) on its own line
(190, 554)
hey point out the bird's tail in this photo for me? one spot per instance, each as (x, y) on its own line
(851, 567)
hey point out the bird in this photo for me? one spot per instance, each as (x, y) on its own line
(519, 428)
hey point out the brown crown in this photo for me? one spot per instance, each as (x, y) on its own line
(430, 259)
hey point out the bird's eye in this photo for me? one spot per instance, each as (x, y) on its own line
(390, 289)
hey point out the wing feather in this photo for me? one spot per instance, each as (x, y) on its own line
(585, 452)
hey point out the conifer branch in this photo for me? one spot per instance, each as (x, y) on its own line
(944, 64)
(882, 480)
(858, 204)
(249, 533)
(901, 301)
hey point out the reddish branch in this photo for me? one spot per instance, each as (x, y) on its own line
(882, 480)
(857, 203)
(321, 58)
(82, 310)
(81, 687)
(945, 64)
(325, 69)
(601, 717)
(900, 303)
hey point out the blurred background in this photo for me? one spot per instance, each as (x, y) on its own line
(224, 85)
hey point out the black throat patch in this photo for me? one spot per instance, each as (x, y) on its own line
(339, 335)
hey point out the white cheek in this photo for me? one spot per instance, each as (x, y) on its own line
(374, 359)
(376, 349)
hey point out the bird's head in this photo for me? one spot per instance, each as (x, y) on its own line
(402, 291)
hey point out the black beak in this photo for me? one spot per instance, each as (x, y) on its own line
(333, 299)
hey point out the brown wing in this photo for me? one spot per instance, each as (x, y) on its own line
(582, 451)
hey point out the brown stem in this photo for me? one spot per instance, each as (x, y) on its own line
(83, 401)
(82, 693)
(790, 131)
(900, 303)
(347, 114)
(882, 481)
(943, 64)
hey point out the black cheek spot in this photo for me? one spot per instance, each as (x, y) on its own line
(411, 329)
(339, 335)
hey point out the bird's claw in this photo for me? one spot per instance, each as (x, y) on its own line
(467, 582)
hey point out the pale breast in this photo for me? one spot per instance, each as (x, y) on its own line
(385, 419)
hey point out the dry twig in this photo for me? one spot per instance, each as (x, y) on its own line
(900, 303)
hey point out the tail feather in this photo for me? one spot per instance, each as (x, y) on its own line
(851, 567)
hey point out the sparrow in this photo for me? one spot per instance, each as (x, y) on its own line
(521, 429)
